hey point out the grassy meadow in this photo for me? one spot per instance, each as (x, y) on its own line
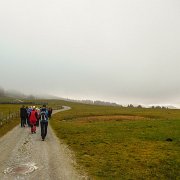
(122, 143)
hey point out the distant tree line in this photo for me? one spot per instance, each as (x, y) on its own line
(153, 107)
(93, 102)
(97, 102)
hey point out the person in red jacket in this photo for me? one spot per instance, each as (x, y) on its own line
(33, 116)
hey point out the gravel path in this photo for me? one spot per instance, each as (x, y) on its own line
(23, 156)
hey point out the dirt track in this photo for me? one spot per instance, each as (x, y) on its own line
(23, 156)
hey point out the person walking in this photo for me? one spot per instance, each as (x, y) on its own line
(38, 112)
(49, 112)
(27, 118)
(29, 109)
(44, 121)
(23, 115)
(33, 116)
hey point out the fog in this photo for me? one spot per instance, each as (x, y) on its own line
(124, 51)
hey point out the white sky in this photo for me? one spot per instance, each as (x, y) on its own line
(125, 51)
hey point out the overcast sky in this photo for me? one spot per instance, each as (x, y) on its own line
(124, 51)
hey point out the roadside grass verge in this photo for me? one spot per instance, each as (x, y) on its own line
(5, 110)
(110, 145)
(8, 126)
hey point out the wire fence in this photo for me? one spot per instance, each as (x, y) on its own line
(6, 117)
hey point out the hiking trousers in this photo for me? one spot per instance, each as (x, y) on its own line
(33, 127)
(23, 121)
(44, 125)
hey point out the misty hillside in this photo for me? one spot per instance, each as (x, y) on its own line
(14, 94)
(11, 95)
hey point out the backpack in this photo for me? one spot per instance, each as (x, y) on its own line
(43, 116)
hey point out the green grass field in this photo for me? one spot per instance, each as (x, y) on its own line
(9, 126)
(122, 143)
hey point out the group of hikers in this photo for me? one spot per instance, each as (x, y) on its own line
(33, 116)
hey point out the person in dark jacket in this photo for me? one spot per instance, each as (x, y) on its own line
(44, 121)
(49, 112)
(27, 118)
(23, 116)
